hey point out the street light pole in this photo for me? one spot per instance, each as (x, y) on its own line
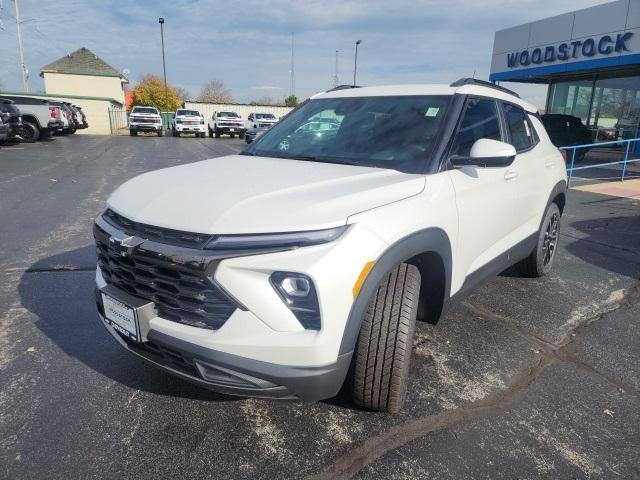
(164, 68)
(355, 63)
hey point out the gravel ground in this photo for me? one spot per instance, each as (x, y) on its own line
(526, 378)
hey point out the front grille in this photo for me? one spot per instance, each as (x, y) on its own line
(157, 234)
(145, 120)
(179, 293)
(230, 124)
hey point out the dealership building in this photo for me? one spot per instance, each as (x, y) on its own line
(590, 59)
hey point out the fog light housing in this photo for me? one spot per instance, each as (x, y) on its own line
(298, 292)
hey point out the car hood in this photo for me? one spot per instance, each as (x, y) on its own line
(247, 194)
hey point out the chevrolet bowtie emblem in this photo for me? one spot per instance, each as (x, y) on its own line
(125, 246)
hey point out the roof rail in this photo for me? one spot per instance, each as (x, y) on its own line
(343, 87)
(482, 83)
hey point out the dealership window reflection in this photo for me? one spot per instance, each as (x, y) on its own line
(610, 107)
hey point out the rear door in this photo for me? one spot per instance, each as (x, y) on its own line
(485, 197)
(530, 166)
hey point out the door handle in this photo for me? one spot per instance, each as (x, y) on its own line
(548, 164)
(510, 174)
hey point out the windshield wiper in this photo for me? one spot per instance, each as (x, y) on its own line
(323, 160)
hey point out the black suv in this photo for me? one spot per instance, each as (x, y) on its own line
(567, 131)
(12, 117)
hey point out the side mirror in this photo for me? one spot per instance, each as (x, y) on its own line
(486, 153)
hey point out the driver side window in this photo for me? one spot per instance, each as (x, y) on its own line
(479, 120)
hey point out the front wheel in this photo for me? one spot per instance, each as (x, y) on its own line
(383, 352)
(160, 133)
(540, 261)
(133, 133)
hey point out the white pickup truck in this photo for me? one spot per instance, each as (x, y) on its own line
(257, 120)
(188, 121)
(40, 119)
(226, 123)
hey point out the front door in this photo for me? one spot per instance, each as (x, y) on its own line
(485, 197)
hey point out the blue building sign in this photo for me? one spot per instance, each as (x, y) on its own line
(604, 45)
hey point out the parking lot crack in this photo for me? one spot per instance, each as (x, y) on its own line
(548, 354)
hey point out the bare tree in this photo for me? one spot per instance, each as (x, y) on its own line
(215, 92)
(266, 100)
(182, 93)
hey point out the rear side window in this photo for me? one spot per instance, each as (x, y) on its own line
(520, 130)
(479, 120)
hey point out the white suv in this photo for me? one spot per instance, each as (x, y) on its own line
(188, 121)
(310, 256)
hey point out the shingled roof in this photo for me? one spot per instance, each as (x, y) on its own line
(82, 62)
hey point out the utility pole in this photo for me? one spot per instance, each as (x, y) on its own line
(355, 63)
(23, 67)
(336, 81)
(164, 68)
(292, 87)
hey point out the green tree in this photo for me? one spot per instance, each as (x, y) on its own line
(291, 101)
(150, 91)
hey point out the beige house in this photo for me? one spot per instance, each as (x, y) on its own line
(84, 79)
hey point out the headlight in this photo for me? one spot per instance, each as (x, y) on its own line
(299, 294)
(268, 241)
(202, 121)
(178, 121)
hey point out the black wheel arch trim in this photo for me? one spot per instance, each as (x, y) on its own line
(559, 188)
(423, 241)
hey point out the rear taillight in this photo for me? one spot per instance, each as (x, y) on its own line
(52, 112)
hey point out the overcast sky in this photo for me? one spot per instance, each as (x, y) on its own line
(247, 43)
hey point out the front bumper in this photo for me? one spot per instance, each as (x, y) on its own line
(231, 129)
(145, 127)
(227, 373)
(197, 128)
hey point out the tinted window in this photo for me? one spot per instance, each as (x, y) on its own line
(480, 120)
(388, 132)
(519, 129)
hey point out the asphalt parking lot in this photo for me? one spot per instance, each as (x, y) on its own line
(524, 379)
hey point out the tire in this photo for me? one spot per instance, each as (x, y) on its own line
(385, 343)
(30, 132)
(210, 133)
(232, 135)
(217, 133)
(160, 133)
(133, 133)
(540, 261)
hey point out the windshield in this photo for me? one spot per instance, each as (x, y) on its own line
(191, 113)
(388, 132)
(144, 110)
(267, 116)
(228, 114)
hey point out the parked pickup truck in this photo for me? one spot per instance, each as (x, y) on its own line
(188, 121)
(40, 119)
(257, 120)
(145, 119)
(230, 123)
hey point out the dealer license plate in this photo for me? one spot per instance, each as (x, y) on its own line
(121, 317)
